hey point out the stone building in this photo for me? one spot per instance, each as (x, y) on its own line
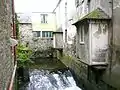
(25, 28)
(36, 29)
(7, 32)
(92, 38)
(91, 50)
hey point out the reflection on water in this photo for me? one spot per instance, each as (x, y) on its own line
(44, 80)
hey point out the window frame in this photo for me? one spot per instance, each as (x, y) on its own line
(47, 34)
(88, 5)
(44, 18)
(36, 32)
(78, 2)
(82, 35)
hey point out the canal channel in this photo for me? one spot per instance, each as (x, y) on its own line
(46, 74)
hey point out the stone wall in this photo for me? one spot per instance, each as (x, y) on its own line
(25, 33)
(114, 63)
(82, 49)
(6, 62)
(87, 77)
(104, 77)
(41, 47)
(39, 44)
(34, 43)
(90, 77)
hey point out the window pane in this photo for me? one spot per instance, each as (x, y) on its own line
(36, 33)
(81, 34)
(46, 33)
(43, 34)
(44, 18)
(51, 34)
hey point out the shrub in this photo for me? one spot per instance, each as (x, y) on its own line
(23, 55)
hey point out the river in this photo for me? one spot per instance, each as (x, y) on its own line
(43, 79)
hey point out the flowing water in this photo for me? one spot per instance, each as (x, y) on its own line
(44, 80)
(49, 76)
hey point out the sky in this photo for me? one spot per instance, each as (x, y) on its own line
(22, 6)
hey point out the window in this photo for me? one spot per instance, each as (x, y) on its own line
(82, 34)
(37, 33)
(81, 1)
(78, 2)
(88, 3)
(44, 18)
(47, 34)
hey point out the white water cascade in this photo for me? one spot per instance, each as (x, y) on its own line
(44, 80)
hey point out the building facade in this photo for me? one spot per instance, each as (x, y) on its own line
(91, 46)
(36, 29)
(43, 24)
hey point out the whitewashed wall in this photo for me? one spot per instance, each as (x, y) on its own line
(58, 40)
(60, 19)
(70, 14)
(38, 26)
(99, 43)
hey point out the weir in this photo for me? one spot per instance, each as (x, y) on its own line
(46, 74)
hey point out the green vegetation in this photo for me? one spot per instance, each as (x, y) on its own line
(48, 64)
(96, 14)
(66, 59)
(23, 52)
(23, 55)
(17, 27)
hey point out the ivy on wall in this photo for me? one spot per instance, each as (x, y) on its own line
(23, 52)
(17, 27)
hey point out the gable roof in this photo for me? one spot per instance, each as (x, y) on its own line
(97, 14)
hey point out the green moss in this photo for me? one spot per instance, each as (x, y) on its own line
(66, 59)
(96, 14)
(48, 65)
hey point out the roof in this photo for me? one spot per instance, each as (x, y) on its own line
(97, 14)
(24, 18)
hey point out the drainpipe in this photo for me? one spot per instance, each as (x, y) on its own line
(66, 21)
(10, 87)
